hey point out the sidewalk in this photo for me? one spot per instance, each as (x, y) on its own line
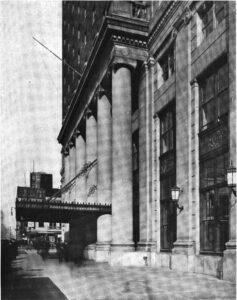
(100, 281)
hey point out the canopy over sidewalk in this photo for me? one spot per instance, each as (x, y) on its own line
(38, 210)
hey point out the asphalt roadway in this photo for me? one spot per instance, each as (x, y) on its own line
(32, 278)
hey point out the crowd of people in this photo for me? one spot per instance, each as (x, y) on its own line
(62, 251)
(43, 246)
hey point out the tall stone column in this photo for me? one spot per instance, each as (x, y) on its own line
(62, 173)
(183, 251)
(104, 131)
(104, 173)
(147, 208)
(91, 155)
(80, 162)
(229, 263)
(122, 214)
(72, 170)
(66, 172)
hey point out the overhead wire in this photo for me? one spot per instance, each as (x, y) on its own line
(62, 60)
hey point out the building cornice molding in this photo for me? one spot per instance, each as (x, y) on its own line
(115, 30)
(162, 22)
(128, 41)
(183, 19)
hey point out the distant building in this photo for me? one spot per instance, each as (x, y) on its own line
(149, 95)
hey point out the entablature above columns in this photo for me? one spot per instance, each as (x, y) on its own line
(120, 41)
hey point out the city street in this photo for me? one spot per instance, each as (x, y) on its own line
(33, 278)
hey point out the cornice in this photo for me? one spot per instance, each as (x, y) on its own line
(116, 30)
(183, 19)
(161, 22)
(128, 41)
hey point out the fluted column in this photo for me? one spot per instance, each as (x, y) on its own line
(91, 155)
(122, 214)
(80, 162)
(104, 130)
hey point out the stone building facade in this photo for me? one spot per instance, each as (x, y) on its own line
(149, 95)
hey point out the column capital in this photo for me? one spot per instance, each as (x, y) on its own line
(182, 20)
(150, 61)
(89, 113)
(194, 82)
(76, 133)
(100, 92)
(187, 15)
(174, 33)
(121, 61)
(65, 151)
(71, 144)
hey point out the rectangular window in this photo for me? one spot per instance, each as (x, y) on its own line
(41, 224)
(168, 177)
(213, 96)
(220, 11)
(211, 13)
(214, 219)
(214, 160)
(167, 132)
(166, 63)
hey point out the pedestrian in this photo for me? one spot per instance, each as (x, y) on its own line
(60, 251)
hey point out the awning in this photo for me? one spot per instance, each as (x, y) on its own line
(37, 210)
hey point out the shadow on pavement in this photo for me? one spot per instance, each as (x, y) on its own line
(40, 288)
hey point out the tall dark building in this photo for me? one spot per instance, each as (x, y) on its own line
(41, 180)
(149, 98)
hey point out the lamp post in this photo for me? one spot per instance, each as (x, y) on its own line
(175, 193)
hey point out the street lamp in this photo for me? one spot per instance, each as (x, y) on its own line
(231, 178)
(175, 193)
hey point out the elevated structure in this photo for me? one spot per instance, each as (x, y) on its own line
(56, 211)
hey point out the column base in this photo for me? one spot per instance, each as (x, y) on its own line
(122, 247)
(164, 259)
(209, 265)
(125, 255)
(183, 258)
(229, 261)
(148, 252)
(102, 252)
(89, 252)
